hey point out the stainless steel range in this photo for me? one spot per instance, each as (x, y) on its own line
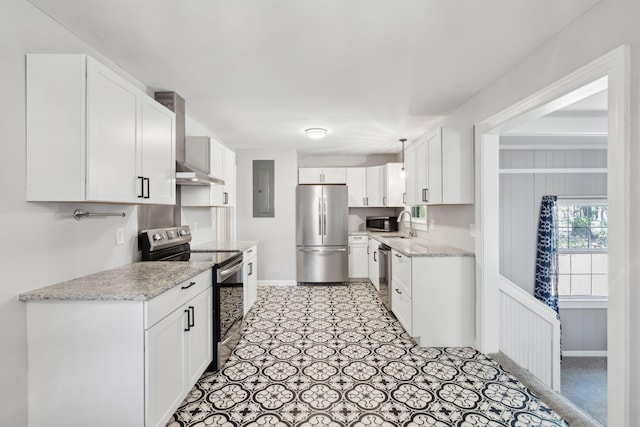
(173, 244)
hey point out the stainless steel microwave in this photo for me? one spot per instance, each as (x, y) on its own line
(382, 223)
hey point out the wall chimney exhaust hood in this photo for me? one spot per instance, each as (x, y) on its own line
(189, 175)
(186, 174)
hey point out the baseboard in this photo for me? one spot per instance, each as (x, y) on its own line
(578, 353)
(277, 282)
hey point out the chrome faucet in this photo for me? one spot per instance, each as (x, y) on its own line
(412, 232)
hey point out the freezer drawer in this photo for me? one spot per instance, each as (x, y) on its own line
(322, 264)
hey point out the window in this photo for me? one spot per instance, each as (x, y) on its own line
(419, 213)
(582, 248)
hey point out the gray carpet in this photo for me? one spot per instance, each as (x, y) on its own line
(584, 382)
(572, 414)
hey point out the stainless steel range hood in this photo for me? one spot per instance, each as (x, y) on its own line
(189, 175)
(186, 174)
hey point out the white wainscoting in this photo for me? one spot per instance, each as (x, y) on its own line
(529, 333)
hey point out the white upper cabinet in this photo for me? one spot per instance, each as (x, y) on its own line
(375, 186)
(322, 176)
(229, 169)
(394, 187)
(442, 172)
(218, 161)
(357, 187)
(158, 152)
(88, 132)
(411, 175)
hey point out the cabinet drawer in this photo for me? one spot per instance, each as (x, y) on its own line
(250, 253)
(401, 306)
(162, 305)
(354, 240)
(401, 270)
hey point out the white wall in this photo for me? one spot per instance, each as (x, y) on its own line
(520, 196)
(609, 24)
(276, 236)
(46, 244)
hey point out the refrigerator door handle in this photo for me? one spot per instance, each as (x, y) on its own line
(320, 216)
(324, 215)
(324, 250)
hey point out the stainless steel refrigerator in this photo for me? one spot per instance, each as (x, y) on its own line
(322, 233)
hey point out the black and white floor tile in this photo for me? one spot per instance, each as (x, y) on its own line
(321, 356)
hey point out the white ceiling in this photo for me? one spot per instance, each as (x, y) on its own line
(258, 72)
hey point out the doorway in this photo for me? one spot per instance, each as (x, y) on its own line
(564, 154)
(612, 70)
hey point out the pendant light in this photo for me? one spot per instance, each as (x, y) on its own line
(402, 170)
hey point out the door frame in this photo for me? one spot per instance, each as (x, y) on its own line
(614, 69)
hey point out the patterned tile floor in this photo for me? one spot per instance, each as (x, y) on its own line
(320, 356)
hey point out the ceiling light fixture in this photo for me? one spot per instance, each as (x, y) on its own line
(402, 171)
(316, 133)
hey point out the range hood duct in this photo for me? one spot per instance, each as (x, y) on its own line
(185, 174)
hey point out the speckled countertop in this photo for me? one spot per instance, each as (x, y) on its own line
(139, 281)
(416, 247)
(236, 245)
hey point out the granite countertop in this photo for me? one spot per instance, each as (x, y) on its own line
(416, 247)
(139, 281)
(236, 245)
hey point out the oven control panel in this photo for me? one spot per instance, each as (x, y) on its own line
(159, 238)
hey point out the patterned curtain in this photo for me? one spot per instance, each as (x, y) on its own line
(546, 286)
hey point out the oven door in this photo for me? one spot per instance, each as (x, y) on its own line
(229, 290)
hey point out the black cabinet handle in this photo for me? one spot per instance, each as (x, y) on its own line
(188, 328)
(398, 255)
(192, 316)
(404, 198)
(225, 200)
(398, 291)
(384, 201)
(189, 285)
(148, 180)
(250, 269)
(374, 256)
(141, 195)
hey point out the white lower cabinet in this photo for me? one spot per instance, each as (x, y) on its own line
(374, 272)
(358, 258)
(250, 272)
(433, 297)
(117, 363)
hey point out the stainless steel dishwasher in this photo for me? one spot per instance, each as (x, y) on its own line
(384, 268)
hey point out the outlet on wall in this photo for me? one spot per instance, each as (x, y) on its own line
(119, 236)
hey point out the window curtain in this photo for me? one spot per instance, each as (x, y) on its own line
(546, 286)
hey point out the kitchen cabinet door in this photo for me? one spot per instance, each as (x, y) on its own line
(199, 337)
(411, 176)
(374, 272)
(113, 114)
(158, 159)
(165, 376)
(334, 175)
(310, 176)
(433, 193)
(229, 188)
(250, 278)
(375, 186)
(358, 258)
(394, 187)
(357, 187)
